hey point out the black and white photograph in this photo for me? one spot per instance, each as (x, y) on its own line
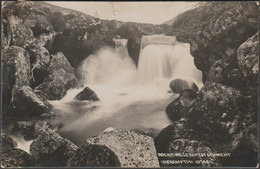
(121, 84)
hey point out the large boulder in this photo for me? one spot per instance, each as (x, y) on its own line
(226, 73)
(59, 61)
(16, 158)
(220, 113)
(39, 58)
(50, 149)
(29, 104)
(181, 129)
(56, 84)
(16, 73)
(180, 106)
(87, 94)
(116, 147)
(178, 85)
(21, 34)
(248, 59)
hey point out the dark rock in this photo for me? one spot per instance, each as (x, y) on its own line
(56, 85)
(220, 113)
(39, 24)
(227, 74)
(59, 61)
(248, 60)
(39, 58)
(181, 129)
(15, 158)
(245, 153)
(46, 40)
(180, 106)
(87, 94)
(8, 142)
(28, 129)
(15, 73)
(50, 149)
(127, 148)
(21, 34)
(29, 104)
(193, 147)
(178, 85)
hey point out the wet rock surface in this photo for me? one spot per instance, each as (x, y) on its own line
(87, 94)
(178, 85)
(130, 150)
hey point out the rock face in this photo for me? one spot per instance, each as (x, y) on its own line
(87, 94)
(46, 40)
(126, 149)
(50, 149)
(16, 73)
(226, 73)
(29, 104)
(56, 85)
(220, 112)
(16, 158)
(178, 85)
(39, 58)
(180, 107)
(248, 59)
(59, 61)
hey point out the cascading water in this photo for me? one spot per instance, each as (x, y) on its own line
(130, 98)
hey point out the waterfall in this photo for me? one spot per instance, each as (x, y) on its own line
(121, 47)
(162, 57)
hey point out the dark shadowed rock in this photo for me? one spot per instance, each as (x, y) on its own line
(59, 61)
(39, 58)
(245, 153)
(227, 74)
(180, 107)
(194, 148)
(16, 70)
(50, 149)
(87, 94)
(178, 85)
(8, 142)
(126, 149)
(16, 158)
(46, 40)
(220, 113)
(248, 59)
(181, 129)
(56, 85)
(29, 129)
(29, 104)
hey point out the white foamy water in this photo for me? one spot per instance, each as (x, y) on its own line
(130, 97)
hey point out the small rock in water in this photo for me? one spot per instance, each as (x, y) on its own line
(87, 94)
(178, 85)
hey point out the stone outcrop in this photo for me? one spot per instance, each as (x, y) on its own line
(178, 85)
(16, 158)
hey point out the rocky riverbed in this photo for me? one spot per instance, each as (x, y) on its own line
(42, 45)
